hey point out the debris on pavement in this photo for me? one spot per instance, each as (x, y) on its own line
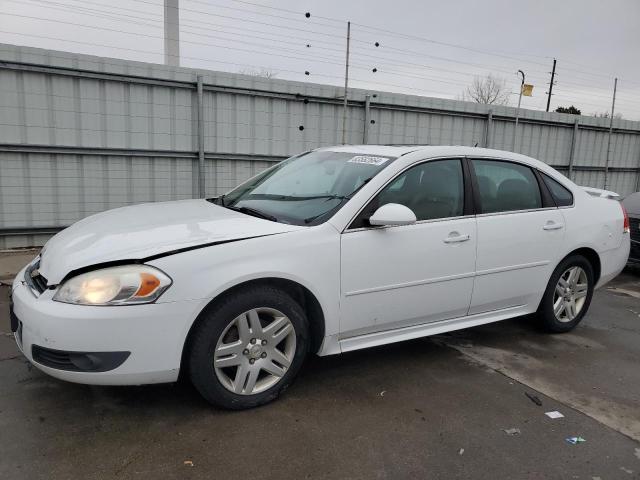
(533, 398)
(554, 414)
(188, 463)
(575, 440)
(512, 431)
(626, 470)
(461, 451)
(382, 393)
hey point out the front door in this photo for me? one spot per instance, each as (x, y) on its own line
(399, 276)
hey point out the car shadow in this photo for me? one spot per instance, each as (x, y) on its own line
(330, 375)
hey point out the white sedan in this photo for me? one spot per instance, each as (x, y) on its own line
(332, 250)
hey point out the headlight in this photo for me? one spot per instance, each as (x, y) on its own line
(126, 285)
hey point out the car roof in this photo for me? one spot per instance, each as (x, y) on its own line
(426, 151)
(384, 150)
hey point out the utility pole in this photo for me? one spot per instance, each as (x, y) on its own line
(515, 129)
(613, 107)
(553, 74)
(346, 86)
(172, 33)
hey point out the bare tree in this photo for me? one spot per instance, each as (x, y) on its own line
(490, 90)
(262, 72)
(606, 114)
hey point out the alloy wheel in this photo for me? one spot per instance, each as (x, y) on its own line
(570, 294)
(255, 351)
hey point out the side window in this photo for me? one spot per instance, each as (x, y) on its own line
(506, 186)
(562, 196)
(432, 190)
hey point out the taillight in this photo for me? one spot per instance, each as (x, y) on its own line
(626, 226)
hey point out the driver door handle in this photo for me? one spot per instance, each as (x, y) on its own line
(455, 237)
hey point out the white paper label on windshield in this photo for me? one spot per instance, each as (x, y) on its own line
(368, 160)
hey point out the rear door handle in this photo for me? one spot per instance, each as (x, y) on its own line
(455, 237)
(553, 226)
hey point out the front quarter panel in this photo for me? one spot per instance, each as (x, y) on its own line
(310, 257)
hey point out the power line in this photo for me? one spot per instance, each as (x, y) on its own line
(279, 41)
(183, 22)
(321, 58)
(297, 12)
(286, 27)
(93, 44)
(380, 61)
(322, 41)
(277, 8)
(404, 36)
(243, 10)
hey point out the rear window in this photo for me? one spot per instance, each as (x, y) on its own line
(562, 196)
(506, 186)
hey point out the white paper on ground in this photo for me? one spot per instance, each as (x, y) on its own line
(554, 414)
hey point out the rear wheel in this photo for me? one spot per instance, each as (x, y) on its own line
(248, 349)
(568, 295)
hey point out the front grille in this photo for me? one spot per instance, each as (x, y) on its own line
(34, 279)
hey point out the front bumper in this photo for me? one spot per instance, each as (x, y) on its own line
(153, 334)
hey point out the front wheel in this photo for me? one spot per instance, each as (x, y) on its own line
(248, 349)
(568, 295)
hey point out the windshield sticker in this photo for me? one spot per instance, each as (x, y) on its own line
(368, 160)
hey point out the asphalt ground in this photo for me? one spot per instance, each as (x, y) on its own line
(430, 408)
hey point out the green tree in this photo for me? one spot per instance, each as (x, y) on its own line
(572, 110)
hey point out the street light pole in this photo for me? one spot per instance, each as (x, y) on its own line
(553, 76)
(515, 129)
(346, 86)
(613, 108)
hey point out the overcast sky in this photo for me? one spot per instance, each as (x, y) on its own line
(425, 47)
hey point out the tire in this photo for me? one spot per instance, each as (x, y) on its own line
(565, 318)
(223, 358)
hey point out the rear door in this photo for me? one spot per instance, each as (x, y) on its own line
(520, 235)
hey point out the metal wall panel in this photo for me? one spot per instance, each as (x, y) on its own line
(223, 175)
(82, 134)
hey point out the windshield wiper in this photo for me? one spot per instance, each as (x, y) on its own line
(341, 197)
(253, 212)
(293, 198)
(315, 197)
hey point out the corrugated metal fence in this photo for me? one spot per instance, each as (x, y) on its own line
(82, 134)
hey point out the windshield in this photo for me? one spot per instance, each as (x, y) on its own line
(307, 189)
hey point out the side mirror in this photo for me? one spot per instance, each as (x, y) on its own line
(392, 214)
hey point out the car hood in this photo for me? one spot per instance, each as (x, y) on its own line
(142, 231)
